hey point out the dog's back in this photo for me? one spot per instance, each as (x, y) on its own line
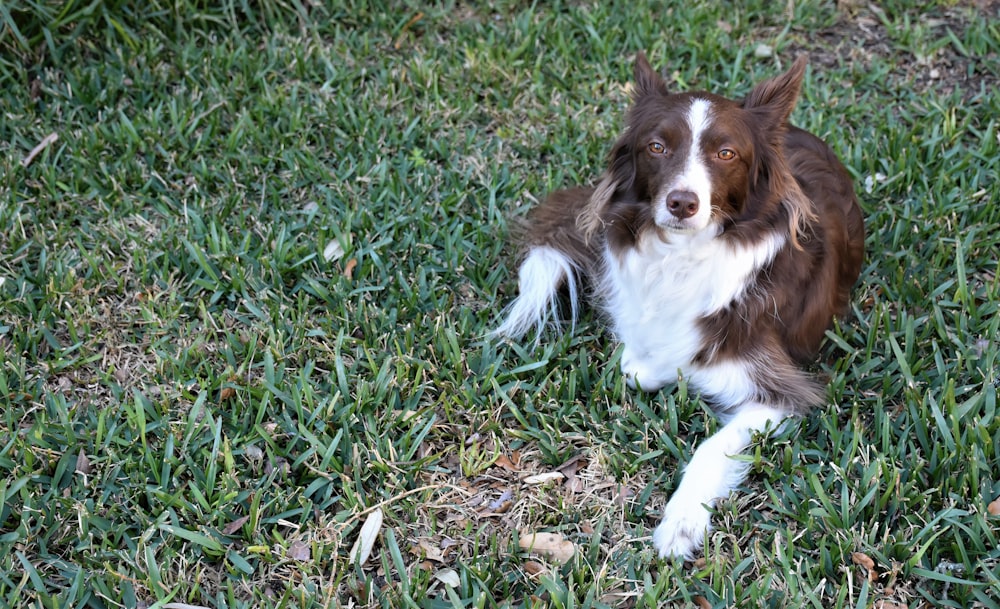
(813, 284)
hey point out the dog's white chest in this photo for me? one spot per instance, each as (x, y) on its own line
(656, 293)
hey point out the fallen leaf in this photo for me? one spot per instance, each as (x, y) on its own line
(569, 469)
(349, 267)
(534, 568)
(82, 463)
(504, 462)
(333, 251)
(882, 604)
(226, 393)
(300, 551)
(405, 415)
(448, 577)
(873, 179)
(551, 545)
(235, 525)
(863, 560)
(994, 507)
(544, 477)
(572, 462)
(572, 466)
(702, 602)
(366, 538)
(429, 551)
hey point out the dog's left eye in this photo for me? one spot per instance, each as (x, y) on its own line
(726, 154)
(657, 148)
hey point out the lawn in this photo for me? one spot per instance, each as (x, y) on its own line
(249, 253)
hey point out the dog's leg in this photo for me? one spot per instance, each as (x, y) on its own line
(711, 474)
(641, 373)
(539, 278)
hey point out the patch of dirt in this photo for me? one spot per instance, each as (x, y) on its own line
(861, 36)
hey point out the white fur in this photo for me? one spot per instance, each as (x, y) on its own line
(655, 293)
(539, 278)
(712, 473)
(694, 178)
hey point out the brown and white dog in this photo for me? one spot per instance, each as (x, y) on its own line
(719, 243)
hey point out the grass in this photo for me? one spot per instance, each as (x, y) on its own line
(201, 408)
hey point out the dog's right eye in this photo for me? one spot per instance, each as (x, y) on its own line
(657, 148)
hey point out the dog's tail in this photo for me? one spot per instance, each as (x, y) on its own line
(541, 275)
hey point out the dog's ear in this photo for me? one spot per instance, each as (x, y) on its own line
(619, 176)
(647, 80)
(775, 98)
(589, 221)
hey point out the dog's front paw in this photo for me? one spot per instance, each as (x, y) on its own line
(682, 531)
(638, 372)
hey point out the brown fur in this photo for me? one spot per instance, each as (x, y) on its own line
(792, 181)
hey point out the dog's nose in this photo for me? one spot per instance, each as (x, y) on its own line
(682, 203)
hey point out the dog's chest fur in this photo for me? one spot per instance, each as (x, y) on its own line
(655, 293)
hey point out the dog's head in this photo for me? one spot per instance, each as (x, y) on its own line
(700, 161)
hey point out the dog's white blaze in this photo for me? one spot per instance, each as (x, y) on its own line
(694, 177)
(695, 172)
